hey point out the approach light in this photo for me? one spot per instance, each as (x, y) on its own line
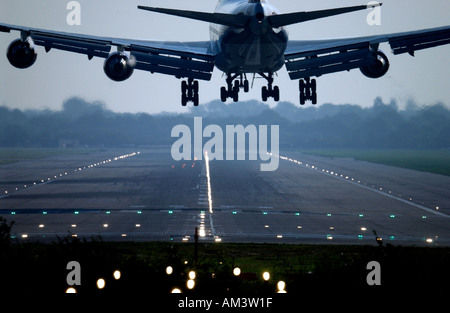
(71, 290)
(176, 290)
(266, 276)
(101, 283)
(190, 284)
(169, 270)
(117, 274)
(281, 287)
(192, 274)
(237, 271)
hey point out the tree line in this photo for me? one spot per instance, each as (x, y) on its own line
(381, 126)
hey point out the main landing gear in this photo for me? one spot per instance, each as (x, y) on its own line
(189, 92)
(232, 90)
(236, 82)
(308, 90)
(270, 91)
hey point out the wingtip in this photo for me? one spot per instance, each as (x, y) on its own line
(141, 7)
(374, 4)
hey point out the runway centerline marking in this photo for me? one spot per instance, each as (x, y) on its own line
(208, 180)
(209, 194)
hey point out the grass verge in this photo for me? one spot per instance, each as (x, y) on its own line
(13, 155)
(433, 161)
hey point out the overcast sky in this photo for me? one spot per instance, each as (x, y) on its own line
(59, 75)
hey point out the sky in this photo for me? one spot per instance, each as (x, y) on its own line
(58, 75)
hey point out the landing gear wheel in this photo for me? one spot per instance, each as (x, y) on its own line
(276, 94)
(223, 94)
(236, 94)
(314, 98)
(189, 92)
(302, 98)
(269, 91)
(196, 100)
(308, 90)
(233, 87)
(264, 93)
(246, 86)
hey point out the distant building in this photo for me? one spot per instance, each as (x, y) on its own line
(68, 143)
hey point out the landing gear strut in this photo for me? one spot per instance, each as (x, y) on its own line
(189, 92)
(232, 90)
(308, 90)
(270, 91)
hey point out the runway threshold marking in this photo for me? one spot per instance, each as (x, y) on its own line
(359, 184)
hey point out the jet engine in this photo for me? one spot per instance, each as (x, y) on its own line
(379, 67)
(21, 54)
(119, 66)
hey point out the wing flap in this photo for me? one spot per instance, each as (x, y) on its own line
(414, 42)
(72, 45)
(163, 58)
(179, 66)
(325, 61)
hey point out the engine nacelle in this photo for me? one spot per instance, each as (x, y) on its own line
(21, 54)
(119, 66)
(379, 68)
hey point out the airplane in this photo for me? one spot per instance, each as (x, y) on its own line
(246, 37)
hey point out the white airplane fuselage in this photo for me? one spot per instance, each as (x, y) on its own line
(256, 48)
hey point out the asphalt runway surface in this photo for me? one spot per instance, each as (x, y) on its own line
(143, 195)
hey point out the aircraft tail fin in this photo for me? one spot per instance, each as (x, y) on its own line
(277, 21)
(232, 20)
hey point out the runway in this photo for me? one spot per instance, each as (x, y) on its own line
(144, 195)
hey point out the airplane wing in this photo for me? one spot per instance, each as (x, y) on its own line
(318, 57)
(181, 59)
